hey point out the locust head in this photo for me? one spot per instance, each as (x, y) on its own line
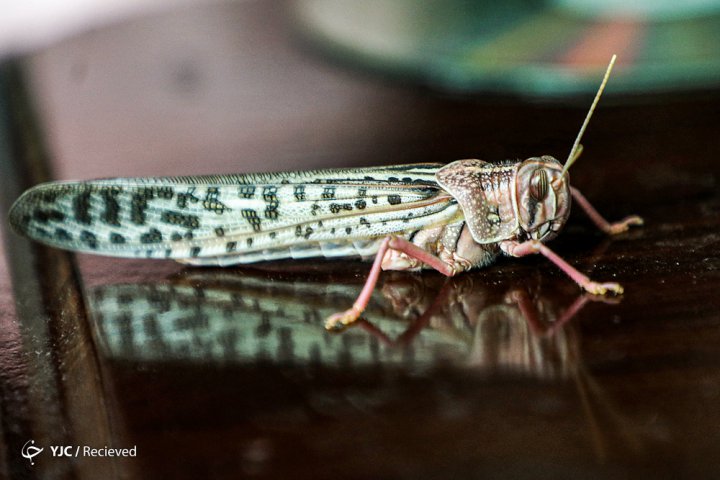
(543, 192)
(542, 197)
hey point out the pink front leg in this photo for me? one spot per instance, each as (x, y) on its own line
(530, 247)
(602, 224)
(344, 319)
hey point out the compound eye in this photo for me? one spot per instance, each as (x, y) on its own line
(539, 185)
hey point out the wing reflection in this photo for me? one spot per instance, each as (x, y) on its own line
(214, 316)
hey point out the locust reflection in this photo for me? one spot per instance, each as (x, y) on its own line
(268, 318)
(214, 316)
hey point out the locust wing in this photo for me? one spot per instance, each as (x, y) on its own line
(237, 215)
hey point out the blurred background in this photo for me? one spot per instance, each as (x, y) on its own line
(135, 88)
(118, 352)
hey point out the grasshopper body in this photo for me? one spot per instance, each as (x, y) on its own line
(450, 218)
(459, 212)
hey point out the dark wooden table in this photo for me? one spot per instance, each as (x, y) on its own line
(215, 373)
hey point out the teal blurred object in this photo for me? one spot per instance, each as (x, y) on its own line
(533, 48)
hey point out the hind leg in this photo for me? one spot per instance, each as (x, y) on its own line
(344, 319)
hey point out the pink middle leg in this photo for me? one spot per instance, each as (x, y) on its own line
(341, 320)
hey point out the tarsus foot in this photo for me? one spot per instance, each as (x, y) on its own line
(342, 320)
(604, 288)
(624, 225)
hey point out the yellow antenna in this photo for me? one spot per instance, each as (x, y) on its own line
(574, 153)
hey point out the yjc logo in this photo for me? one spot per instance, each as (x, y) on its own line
(29, 451)
(59, 451)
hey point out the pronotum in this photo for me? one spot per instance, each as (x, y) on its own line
(408, 217)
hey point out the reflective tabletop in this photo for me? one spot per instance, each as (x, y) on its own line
(504, 372)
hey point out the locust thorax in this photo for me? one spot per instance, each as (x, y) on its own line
(542, 196)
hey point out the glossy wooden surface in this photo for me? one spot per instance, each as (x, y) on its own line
(229, 373)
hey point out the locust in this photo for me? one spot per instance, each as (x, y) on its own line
(450, 218)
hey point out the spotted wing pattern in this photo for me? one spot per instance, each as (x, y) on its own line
(232, 215)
